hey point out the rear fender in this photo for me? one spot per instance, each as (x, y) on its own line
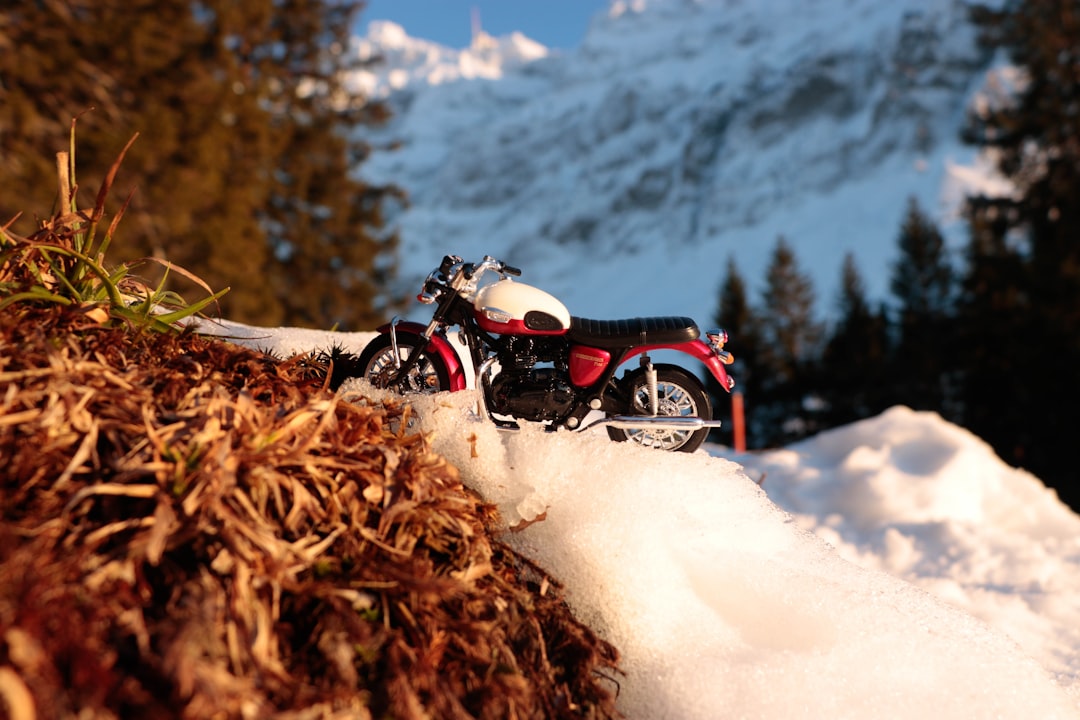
(437, 345)
(696, 349)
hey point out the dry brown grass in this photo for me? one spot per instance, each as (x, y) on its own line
(191, 529)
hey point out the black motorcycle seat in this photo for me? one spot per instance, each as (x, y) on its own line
(613, 334)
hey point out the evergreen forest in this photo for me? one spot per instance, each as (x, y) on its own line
(990, 339)
(244, 168)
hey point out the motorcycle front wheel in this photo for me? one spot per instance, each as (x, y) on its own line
(378, 367)
(678, 393)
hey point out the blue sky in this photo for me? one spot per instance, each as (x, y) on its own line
(554, 23)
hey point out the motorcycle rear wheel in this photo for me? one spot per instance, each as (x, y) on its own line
(679, 393)
(377, 366)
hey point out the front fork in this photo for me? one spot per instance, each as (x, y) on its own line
(394, 345)
(401, 369)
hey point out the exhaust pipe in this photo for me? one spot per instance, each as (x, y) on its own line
(654, 422)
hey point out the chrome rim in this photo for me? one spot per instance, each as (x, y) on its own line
(421, 379)
(671, 400)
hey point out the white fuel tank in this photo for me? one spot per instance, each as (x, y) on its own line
(508, 307)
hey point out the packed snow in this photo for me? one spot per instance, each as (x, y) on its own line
(893, 568)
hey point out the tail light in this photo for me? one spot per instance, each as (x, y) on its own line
(717, 340)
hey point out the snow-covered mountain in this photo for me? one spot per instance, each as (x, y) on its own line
(622, 175)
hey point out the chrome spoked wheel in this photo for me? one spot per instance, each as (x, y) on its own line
(678, 394)
(379, 367)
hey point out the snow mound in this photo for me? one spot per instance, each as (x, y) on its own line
(913, 467)
(913, 495)
(723, 606)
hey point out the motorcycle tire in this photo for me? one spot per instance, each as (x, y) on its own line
(678, 393)
(377, 363)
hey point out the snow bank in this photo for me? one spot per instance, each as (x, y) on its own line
(915, 496)
(721, 604)
(892, 568)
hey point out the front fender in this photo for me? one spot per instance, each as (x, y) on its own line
(438, 346)
(696, 349)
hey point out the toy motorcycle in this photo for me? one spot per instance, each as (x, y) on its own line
(534, 362)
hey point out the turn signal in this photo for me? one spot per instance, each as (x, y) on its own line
(717, 338)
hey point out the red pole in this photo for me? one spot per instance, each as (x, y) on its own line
(738, 422)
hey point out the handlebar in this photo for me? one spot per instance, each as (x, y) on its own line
(470, 270)
(448, 262)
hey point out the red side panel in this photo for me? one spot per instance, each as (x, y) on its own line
(587, 364)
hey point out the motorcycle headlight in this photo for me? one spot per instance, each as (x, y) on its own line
(432, 291)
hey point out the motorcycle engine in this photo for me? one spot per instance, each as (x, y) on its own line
(536, 395)
(525, 391)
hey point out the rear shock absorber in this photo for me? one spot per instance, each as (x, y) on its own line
(650, 383)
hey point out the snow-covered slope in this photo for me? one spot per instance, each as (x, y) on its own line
(894, 568)
(622, 175)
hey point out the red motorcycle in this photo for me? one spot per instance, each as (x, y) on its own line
(533, 361)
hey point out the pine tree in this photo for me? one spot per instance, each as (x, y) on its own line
(994, 318)
(735, 316)
(923, 284)
(922, 279)
(244, 169)
(790, 337)
(790, 333)
(1024, 275)
(855, 363)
